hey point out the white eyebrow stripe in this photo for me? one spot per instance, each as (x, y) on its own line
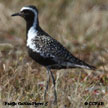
(35, 14)
(28, 8)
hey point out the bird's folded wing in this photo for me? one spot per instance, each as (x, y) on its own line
(50, 48)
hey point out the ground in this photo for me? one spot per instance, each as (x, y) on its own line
(82, 27)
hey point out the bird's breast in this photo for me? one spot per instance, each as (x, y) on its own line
(31, 35)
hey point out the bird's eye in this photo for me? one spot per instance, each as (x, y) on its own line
(25, 11)
(22, 12)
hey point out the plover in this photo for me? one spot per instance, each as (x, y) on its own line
(45, 50)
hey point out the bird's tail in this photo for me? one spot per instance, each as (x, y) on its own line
(81, 64)
(86, 66)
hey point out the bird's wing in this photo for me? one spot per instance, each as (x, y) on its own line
(50, 48)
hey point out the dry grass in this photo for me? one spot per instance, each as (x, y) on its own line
(81, 26)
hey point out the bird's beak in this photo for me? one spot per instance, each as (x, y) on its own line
(16, 14)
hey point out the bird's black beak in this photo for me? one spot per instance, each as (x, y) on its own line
(16, 14)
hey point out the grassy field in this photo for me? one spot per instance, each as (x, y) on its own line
(82, 27)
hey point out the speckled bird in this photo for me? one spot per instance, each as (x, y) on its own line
(45, 50)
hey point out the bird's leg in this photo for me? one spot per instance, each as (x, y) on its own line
(47, 82)
(55, 94)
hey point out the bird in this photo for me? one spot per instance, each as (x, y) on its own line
(46, 50)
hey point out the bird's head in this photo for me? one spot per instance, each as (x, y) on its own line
(28, 13)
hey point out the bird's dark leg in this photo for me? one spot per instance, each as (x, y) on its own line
(55, 94)
(47, 82)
